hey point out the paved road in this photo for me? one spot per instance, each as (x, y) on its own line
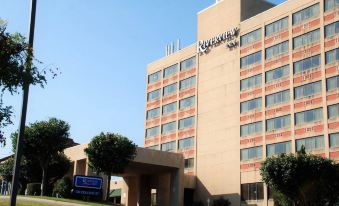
(52, 202)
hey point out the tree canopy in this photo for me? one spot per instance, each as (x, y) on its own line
(302, 179)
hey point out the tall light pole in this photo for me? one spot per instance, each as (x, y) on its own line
(28, 66)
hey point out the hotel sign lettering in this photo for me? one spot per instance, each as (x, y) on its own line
(228, 36)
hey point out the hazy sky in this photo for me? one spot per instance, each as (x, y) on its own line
(102, 49)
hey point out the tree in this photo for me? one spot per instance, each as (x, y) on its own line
(109, 154)
(6, 169)
(302, 179)
(43, 141)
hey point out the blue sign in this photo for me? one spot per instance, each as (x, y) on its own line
(88, 182)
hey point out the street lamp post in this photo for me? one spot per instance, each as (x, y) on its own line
(18, 154)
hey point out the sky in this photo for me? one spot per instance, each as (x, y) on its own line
(102, 49)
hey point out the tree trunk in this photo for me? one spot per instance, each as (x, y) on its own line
(108, 186)
(44, 181)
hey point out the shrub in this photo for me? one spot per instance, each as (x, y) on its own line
(34, 189)
(221, 202)
(63, 187)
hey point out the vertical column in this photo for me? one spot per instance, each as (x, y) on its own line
(132, 190)
(144, 198)
(163, 190)
(177, 187)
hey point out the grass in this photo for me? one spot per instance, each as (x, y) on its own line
(23, 203)
(70, 200)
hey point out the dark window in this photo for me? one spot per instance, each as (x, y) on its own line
(252, 191)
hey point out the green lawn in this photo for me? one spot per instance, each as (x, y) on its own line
(23, 203)
(70, 200)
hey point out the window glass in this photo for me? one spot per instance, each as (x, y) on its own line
(306, 39)
(333, 111)
(186, 143)
(250, 37)
(250, 105)
(276, 50)
(169, 146)
(167, 128)
(154, 131)
(250, 82)
(251, 153)
(278, 98)
(187, 83)
(250, 59)
(279, 148)
(334, 140)
(332, 29)
(170, 70)
(307, 13)
(188, 64)
(278, 123)
(186, 103)
(276, 27)
(169, 108)
(189, 163)
(170, 89)
(250, 129)
(153, 113)
(306, 64)
(311, 143)
(331, 4)
(332, 56)
(154, 95)
(187, 122)
(309, 116)
(252, 191)
(332, 83)
(154, 77)
(307, 90)
(277, 73)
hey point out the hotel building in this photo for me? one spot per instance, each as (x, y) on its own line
(260, 81)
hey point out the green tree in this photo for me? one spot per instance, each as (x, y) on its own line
(43, 141)
(302, 179)
(6, 169)
(109, 154)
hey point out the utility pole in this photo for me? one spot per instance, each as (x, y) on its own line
(28, 66)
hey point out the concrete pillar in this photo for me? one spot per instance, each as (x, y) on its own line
(132, 190)
(144, 191)
(177, 188)
(163, 189)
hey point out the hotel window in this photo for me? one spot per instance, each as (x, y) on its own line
(331, 4)
(250, 59)
(279, 148)
(170, 70)
(154, 77)
(276, 50)
(170, 89)
(278, 98)
(334, 140)
(306, 39)
(154, 131)
(186, 143)
(278, 123)
(252, 191)
(306, 64)
(167, 147)
(188, 64)
(250, 105)
(250, 129)
(153, 113)
(189, 163)
(307, 90)
(250, 37)
(186, 123)
(154, 95)
(251, 153)
(332, 83)
(332, 29)
(332, 56)
(168, 128)
(169, 108)
(311, 143)
(250, 83)
(277, 73)
(333, 111)
(309, 116)
(154, 147)
(187, 83)
(303, 15)
(186, 103)
(276, 26)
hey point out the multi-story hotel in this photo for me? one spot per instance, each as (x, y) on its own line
(260, 81)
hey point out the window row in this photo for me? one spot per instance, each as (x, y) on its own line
(184, 65)
(170, 127)
(171, 146)
(172, 88)
(170, 108)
